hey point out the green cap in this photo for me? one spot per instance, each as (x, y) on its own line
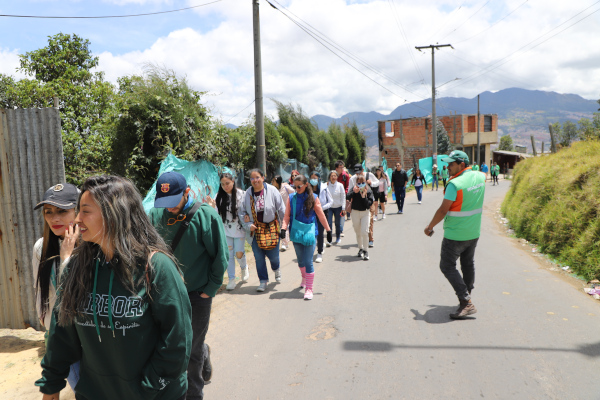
(457, 155)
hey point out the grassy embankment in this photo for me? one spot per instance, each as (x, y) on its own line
(554, 202)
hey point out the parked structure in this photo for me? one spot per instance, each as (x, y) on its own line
(405, 140)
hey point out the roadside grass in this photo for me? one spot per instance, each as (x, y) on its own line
(554, 201)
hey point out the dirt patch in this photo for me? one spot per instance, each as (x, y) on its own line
(21, 351)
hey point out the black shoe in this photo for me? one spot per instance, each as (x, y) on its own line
(360, 253)
(207, 367)
(366, 255)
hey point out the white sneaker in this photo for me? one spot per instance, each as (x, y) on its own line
(262, 287)
(319, 258)
(375, 218)
(283, 247)
(419, 202)
(245, 274)
(383, 217)
(231, 284)
(371, 244)
(328, 244)
(337, 242)
(278, 274)
(342, 234)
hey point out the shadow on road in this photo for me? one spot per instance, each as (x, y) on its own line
(591, 350)
(348, 258)
(436, 314)
(249, 289)
(293, 295)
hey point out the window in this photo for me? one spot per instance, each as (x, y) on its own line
(389, 129)
(472, 123)
(487, 123)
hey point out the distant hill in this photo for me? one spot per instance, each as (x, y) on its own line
(521, 112)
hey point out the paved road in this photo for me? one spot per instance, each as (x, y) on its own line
(379, 329)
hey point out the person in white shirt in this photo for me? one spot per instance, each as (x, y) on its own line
(338, 193)
(326, 201)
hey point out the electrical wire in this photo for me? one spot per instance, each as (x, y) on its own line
(510, 57)
(108, 16)
(494, 24)
(392, 4)
(447, 20)
(465, 21)
(225, 123)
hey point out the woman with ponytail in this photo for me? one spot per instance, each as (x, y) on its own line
(326, 201)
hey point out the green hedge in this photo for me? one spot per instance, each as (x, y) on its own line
(554, 202)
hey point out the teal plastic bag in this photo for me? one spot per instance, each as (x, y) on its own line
(301, 233)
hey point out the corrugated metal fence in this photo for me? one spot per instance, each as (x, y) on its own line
(31, 160)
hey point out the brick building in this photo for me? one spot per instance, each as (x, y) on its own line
(403, 139)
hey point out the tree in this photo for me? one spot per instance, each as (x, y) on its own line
(443, 141)
(338, 136)
(64, 69)
(568, 133)
(506, 143)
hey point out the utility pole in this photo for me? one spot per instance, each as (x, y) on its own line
(433, 116)
(478, 141)
(533, 146)
(552, 139)
(261, 153)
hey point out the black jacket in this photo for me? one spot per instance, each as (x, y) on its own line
(360, 203)
(399, 178)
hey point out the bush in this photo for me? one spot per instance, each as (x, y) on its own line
(554, 201)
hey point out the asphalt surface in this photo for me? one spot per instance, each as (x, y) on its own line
(379, 329)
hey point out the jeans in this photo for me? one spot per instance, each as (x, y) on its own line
(260, 256)
(335, 212)
(235, 245)
(360, 221)
(435, 182)
(400, 195)
(200, 319)
(419, 190)
(451, 251)
(320, 230)
(305, 256)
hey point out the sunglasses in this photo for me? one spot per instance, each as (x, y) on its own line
(173, 221)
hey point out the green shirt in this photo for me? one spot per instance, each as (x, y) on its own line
(463, 220)
(475, 167)
(202, 253)
(144, 357)
(444, 173)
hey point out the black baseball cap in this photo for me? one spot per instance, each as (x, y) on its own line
(358, 168)
(63, 195)
(170, 187)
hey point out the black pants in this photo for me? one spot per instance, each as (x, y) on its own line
(200, 319)
(400, 195)
(320, 230)
(452, 250)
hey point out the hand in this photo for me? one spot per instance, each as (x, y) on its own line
(429, 232)
(369, 182)
(204, 295)
(54, 396)
(355, 189)
(68, 244)
(282, 234)
(246, 219)
(343, 213)
(329, 236)
(252, 228)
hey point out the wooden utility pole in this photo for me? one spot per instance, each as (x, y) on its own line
(433, 116)
(542, 148)
(261, 153)
(533, 146)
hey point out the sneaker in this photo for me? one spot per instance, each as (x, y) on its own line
(375, 218)
(245, 274)
(283, 248)
(337, 242)
(262, 287)
(371, 244)
(319, 258)
(360, 253)
(231, 284)
(207, 367)
(308, 294)
(328, 244)
(464, 309)
(365, 255)
(399, 212)
(383, 216)
(278, 274)
(419, 202)
(342, 234)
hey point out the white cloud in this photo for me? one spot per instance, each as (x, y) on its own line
(10, 63)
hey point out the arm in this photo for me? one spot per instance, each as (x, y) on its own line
(438, 216)
(351, 184)
(321, 215)
(171, 310)
(328, 199)
(280, 206)
(243, 211)
(213, 237)
(374, 180)
(35, 263)
(286, 219)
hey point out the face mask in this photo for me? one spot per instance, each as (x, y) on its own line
(362, 185)
(314, 182)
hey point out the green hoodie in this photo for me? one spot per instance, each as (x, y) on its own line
(202, 252)
(136, 348)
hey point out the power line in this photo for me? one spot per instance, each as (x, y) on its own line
(245, 108)
(499, 63)
(447, 20)
(392, 4)
(494, 24)
(465, 21)
(108, 16)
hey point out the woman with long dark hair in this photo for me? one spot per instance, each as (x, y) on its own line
(418, 180)
(326, 202)
(302, 210)
(337, 210)
(52, 252)
(229, 201)
(123, 308)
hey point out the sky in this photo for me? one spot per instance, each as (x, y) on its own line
(364, 60)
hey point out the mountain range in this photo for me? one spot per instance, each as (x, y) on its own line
(521, 113)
